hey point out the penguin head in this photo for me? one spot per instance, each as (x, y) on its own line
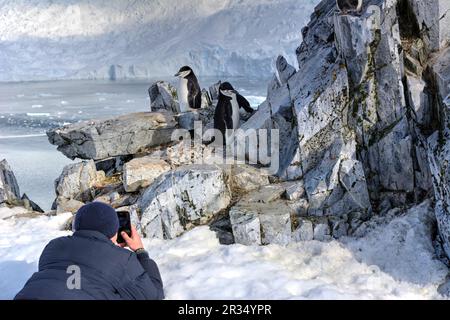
(184, 72)
(227, 90)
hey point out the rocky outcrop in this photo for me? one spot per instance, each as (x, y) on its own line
(124, 135)
(11, 203)
(9, 189)
(360, 109)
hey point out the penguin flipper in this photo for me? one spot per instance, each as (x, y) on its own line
(195, 96)
(243, 103)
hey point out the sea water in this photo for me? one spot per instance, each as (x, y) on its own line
(29, 109)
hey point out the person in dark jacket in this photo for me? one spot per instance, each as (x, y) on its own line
(90, 265)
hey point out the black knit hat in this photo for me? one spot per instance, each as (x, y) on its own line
(99, 217)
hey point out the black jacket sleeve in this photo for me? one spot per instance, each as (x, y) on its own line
(144, 281)
(151, 269)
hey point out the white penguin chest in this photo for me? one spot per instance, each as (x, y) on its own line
(183, 93)
(235, 113)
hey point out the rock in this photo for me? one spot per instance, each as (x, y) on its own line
(352, 178)
(439, 157)
(124, 135)
(391, 156)
(295, 190)
(246, 227)
(276, 224)
(444, 289)
(180, 199)
(444, 23)
(285, 70)
(30, 205)
(419, 101)
(304, 232)
(300, 207)
(112, 166)
(214, 91)
(183, 153)
(265, 194)
(441, 69)
(430, 17)
(68, 225)
(322, 232)
(69, 205)
(206, 99)
(339, 228)
(244, 179)
(186, 120)
(163, 96)
(9, 189)
(77, 181)
(259, 223)
(141, 172)
(223, 229)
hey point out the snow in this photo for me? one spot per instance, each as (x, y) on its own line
(102, 39)
(393, 261)
(21, 243)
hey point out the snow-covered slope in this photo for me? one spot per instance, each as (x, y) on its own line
(45, 39)
(393, 261)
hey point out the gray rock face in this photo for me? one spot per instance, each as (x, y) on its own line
(261, 224)
(9, 189)
(214, 91)
(441, 69)
(186, 120)
(439, 156)
(304, 232)
(141, 172)
(295, 190)
(30, 205)
(119, 136)
(432, 19)
(285, 70)
(183, 198)
(163, 96)
(76, 182)
(244, 178)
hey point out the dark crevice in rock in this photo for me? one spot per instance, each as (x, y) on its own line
(409, 26)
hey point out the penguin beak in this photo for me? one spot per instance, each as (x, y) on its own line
(177, 74)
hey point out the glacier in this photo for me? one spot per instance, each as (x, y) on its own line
(125, 39)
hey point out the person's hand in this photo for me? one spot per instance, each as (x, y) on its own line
(134, 242)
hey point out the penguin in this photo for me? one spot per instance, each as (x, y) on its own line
(189, 92)
(349, 6)
(227, 115)
(285, 70)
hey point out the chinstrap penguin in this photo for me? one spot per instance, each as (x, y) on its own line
(189, 92)
(349, 6)
(227, 115)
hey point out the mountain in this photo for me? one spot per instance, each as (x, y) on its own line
(117, 39)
